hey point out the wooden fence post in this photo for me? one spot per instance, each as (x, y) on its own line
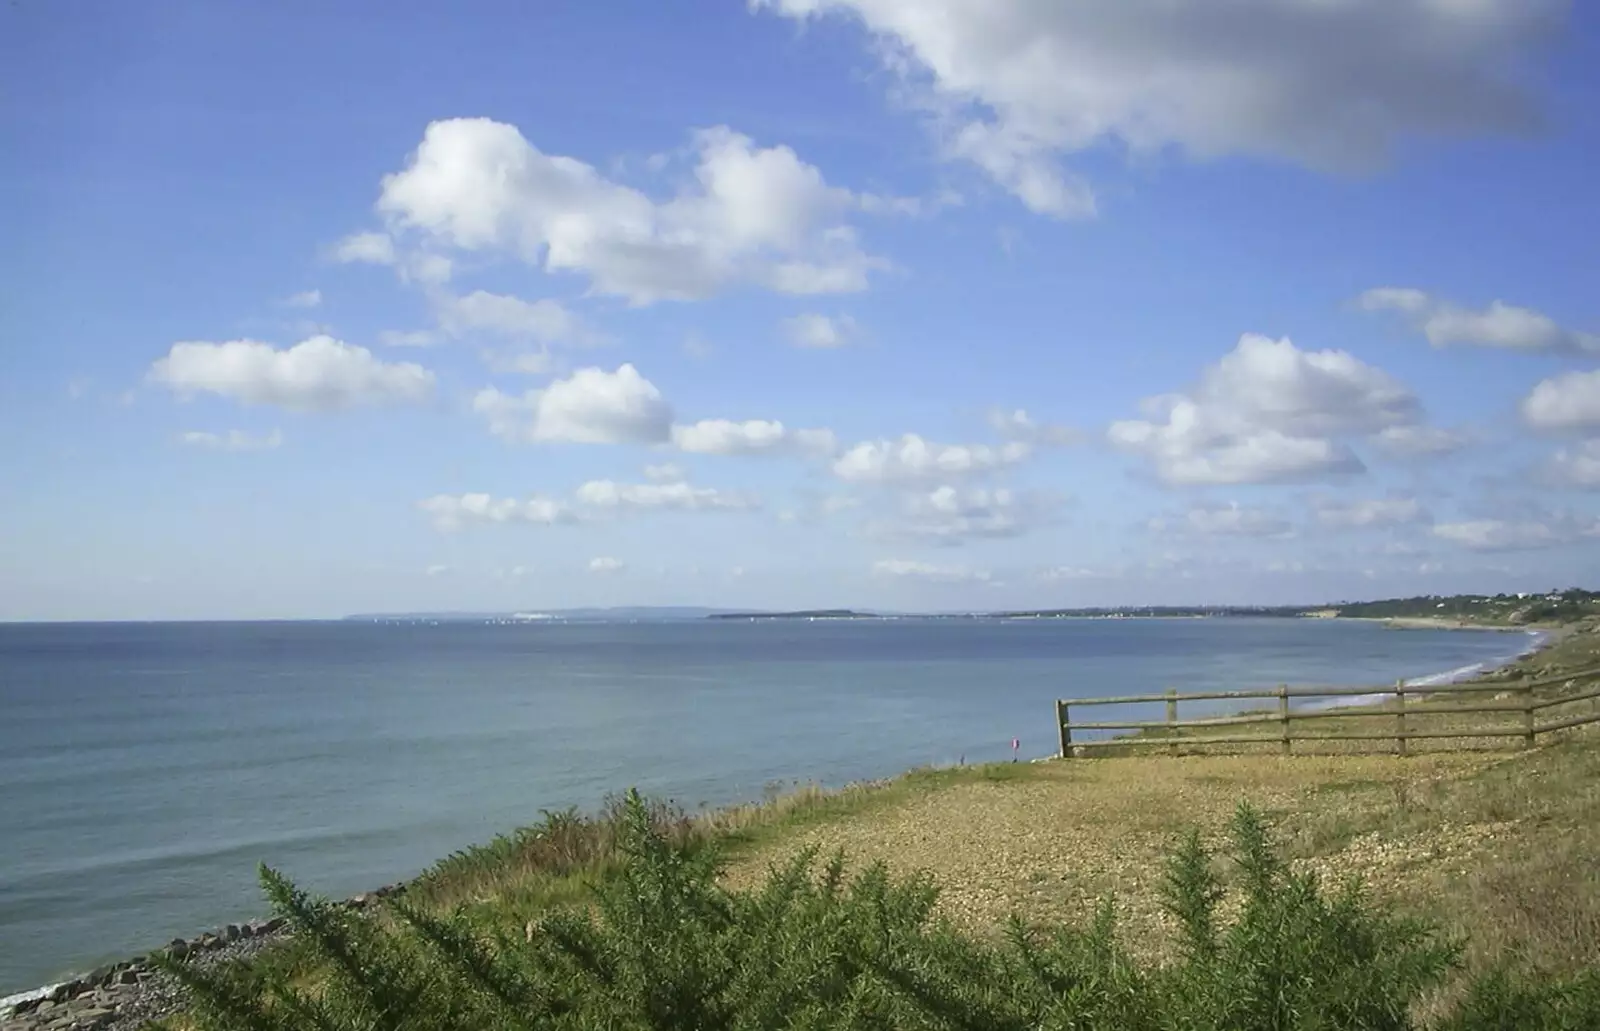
(1400, 718)
(1527, 715)
(1063, 722)
(1172, 720)
(1283, 714)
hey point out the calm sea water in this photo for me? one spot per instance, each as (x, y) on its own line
(145, 769)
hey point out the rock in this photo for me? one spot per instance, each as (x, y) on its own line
(128, 976)
(274, 925)
(231, 932)
(95, 1016)
(43, 1007)
(60, 992)
(179, 949)
(25, 1006)
(358, 901)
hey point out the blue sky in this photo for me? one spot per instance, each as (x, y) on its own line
(916, 304)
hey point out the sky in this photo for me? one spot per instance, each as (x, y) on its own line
(318, 308)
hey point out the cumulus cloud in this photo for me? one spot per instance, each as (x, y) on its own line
(1363, 513)
(1577, 466)
(233, 440)
(545, 320)
(1418, 442)
(1266, 412)
(1017, 84)
(1016, 424)
(606, 564)
(408, 338)
(1570, 401)
(820, 331)
(319, 374)
(911, 458)
(750, 215)
(666, 472)
(1229, 520)
(751, 437)
(953, 515)
(593, 500)
(603, 495)
(304, 299)
(1499, 325)
(365, 248)
(592, 406)
(1058, 574)
(905, 569)
(1502, 535)
(452, 512)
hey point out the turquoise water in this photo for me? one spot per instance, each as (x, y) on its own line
(145, 769)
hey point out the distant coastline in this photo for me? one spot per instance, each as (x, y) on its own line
(1432, 611)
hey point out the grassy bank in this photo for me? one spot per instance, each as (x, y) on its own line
(1493, 847)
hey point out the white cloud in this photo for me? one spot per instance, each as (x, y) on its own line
(1266, 412)
(408, 338)
(752, 214)
(365, 248)
(666, 472)
(304, 299)
(953, 515)
(1417, 442)
(233, 440)
(595, 499)
(1370, 512)
(544, 320)
(1332, 84)
(606, 564)
(1570, 401)
(753, 436)
(821, 331)
(908, 570)
(912, 458)
(592, 406)
(1056, 574)
(608, 495)
(1577, 466)
(1016, 424)
(1499, 325)
(1501, 535)
(1229, 520)
(438, 569)
(526, 363)
(452, 512)
(696, 346)
(318, 374)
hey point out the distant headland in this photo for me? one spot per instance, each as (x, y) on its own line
(1434, 610)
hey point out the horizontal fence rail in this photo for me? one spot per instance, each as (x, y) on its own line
(1402, 702)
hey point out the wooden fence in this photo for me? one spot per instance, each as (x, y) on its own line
(1413, 703)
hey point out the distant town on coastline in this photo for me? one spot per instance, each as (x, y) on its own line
(1482, 609)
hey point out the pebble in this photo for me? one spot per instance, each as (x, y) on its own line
(125, 996)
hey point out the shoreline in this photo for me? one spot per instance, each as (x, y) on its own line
(117, 996)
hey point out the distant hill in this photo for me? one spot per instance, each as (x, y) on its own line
(1525, 607)
(800, 614)
(621, 614)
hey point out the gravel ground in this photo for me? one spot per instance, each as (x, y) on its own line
(1054, 842)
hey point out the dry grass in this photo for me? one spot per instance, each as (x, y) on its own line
(1495, 844)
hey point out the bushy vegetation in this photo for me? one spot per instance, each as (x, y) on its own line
(662, 945)
(1564, 606)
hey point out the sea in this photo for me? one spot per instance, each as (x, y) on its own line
(147, 768)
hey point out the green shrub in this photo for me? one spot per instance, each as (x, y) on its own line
(664, 946)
